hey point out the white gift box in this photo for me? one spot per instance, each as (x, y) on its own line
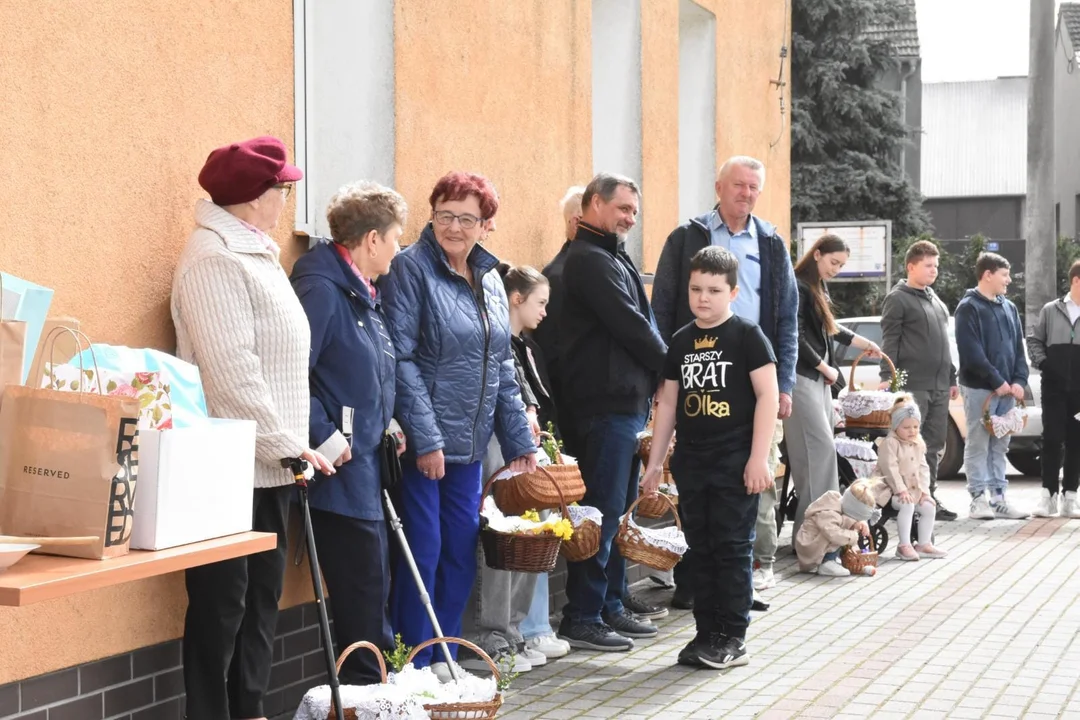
(195, 483)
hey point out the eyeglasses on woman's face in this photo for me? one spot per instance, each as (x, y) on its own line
(285, 189)
(465, 220)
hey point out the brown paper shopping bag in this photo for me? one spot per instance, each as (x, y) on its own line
(68, 467)
(12, 347)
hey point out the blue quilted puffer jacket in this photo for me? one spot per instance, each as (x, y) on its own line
(455, 372)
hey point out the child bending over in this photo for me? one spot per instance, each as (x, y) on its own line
(833, 521)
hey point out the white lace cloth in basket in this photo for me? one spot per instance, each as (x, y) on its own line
(513, 524)
(371, 702)
(584, 513)
(666, 538)
(1010, 422)
(861, 403)
(855, 449)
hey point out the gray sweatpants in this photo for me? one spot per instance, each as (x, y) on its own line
(934, 408)
(765, 539)
(810, 446)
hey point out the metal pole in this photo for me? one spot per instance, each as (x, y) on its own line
(1040, 271)
(425, 599)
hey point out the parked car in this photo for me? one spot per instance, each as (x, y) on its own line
(1024, 448)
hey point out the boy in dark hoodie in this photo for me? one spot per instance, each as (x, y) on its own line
(990, 340)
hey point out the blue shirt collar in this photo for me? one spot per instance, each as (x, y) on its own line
(716, 222)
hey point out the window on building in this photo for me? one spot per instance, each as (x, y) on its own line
(344, 99)
(697, 109)
(616, 96)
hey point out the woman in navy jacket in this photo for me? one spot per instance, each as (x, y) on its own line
(352, 404)
(455, 386)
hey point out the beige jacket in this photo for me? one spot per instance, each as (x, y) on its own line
(824, 529)
(903, 466)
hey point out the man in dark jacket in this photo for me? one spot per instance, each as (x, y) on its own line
(915, 336)
(1055, 352)
(993, 373)
(767, 296)
(611, 358)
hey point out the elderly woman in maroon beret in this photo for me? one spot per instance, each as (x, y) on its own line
(238, 319)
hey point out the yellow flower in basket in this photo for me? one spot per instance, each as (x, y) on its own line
(531, 515)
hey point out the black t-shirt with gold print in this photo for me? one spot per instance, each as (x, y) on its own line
(712, 367)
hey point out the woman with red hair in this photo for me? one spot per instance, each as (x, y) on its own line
(456, 385)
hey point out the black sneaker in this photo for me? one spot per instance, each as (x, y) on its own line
(627, 625)
(943, 513)
(682, 600)
(723, 652)
(594, 636)
(643, 609)
(688, 655)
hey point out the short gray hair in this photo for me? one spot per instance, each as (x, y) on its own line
(743, 161)
(574, 193)
(605, 185)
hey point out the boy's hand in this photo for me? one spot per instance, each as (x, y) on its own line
(862, 528)
(756, 475)
(650, 483)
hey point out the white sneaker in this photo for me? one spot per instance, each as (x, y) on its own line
(551, 646)
(1002, 509)
(830, 568)
(442, 671)
(533, 657)
(764, 579)
(980, 509)
(1047, 505)
(1070, 507)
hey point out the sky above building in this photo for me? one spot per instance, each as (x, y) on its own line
(973, 39)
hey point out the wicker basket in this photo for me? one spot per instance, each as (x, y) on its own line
(654, 507)
(986, 414)
(534, 491)
(583, 544)
(645, 447)
(350, 713)
(855, 561)
(522, 552)
(462, 711)
(879, 419)
(633, 547)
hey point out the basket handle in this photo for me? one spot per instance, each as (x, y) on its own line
(546, 434)
(457, 641)
(541, 468)
(671, 505)
(869, 539)
(368, 646)
(863, 354)
(991, 396)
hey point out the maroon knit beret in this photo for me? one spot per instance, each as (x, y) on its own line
(243, 171)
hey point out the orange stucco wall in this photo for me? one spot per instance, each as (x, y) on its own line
(109, 109)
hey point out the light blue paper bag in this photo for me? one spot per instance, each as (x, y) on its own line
(32, 308)
(185, 385)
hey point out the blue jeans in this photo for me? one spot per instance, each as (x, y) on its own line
(611, 470)
(538, 621)
(984, 454)
(441, 519)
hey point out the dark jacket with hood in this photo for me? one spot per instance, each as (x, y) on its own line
(456, 382)
(990, 340)
(915, 336)
(612, 354)
(1053, 348)
(780, 303)
(352, 366)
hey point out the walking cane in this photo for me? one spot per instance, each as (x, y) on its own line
(302, 473)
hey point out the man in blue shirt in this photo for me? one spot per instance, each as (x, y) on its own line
(767, 296)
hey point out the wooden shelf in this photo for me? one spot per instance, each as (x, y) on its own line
(44, 577)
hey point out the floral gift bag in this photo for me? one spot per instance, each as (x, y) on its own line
(155, 405)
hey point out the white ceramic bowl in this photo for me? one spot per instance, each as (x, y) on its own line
(11, 554)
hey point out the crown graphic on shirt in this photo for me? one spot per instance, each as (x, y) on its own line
(705, 343)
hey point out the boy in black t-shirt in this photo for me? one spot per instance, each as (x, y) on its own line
(720, 391)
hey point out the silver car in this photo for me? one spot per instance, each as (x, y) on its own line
(1024, 448)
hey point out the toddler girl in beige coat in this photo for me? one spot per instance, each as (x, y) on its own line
(902, 463)
(833, 521)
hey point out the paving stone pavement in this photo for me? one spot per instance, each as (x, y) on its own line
(991, 631)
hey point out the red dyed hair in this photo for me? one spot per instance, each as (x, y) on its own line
(457, 185)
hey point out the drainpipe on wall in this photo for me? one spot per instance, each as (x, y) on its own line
(913, 65)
